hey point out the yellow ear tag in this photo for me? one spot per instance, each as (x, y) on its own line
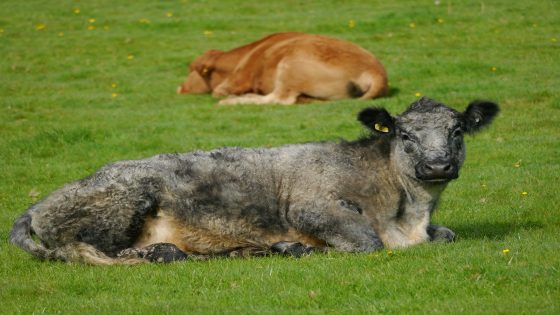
(379, 127)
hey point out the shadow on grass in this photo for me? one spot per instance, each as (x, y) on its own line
(393, 91)
(492, 230)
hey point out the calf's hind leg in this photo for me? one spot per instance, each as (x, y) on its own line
(91, 221)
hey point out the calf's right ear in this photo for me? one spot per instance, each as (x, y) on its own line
(378, 120)
(479, 114)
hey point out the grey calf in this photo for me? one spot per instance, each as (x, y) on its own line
(358, 196)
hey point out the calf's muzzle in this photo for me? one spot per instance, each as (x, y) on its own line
(436, 171)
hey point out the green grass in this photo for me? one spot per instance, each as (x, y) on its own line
(59, 122)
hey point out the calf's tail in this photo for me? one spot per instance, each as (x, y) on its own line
(22, 236)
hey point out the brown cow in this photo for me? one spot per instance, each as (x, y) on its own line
(288, 68)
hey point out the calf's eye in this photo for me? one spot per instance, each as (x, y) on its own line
(405, 137)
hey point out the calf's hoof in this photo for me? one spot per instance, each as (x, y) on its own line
(164, 253)
(160, 252)
(441, 234)
(295, 249)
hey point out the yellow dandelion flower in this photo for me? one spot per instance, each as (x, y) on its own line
(493, 69)
(417, 94)
(91, 20)
(113, 95)
(77, 11)
(440, 20)
(60, 34)
(505, 251)
(169, 14)
(312, 294)
(208, 33)
(373, 255)
(113, 85)
(130, 57)
(351, 24)
(554, 40)
(91, 27)
(412, 25)
(524, 193)
(40, 26)
(34, 193)
(390, 253)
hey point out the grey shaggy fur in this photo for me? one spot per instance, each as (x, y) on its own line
(359, 196)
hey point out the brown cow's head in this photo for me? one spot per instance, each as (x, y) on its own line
(202, 76)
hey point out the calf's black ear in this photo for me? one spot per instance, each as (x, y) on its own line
(378, 120)
(479, 114)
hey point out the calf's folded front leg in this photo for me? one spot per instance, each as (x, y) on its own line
(339, 227)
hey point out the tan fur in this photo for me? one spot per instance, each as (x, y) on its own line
(217, 236)
(284, 67)
(411, 227)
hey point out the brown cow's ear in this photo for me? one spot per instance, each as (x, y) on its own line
(378, 120)
(204, 71)
(479, 114)
(204, 64)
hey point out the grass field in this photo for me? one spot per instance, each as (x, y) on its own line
(86, 83)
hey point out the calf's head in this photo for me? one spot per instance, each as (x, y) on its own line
(427, 139)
